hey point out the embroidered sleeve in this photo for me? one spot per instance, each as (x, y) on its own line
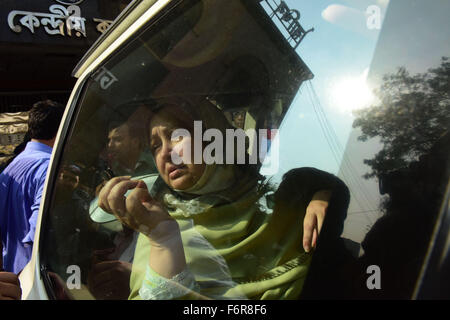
(157, 287)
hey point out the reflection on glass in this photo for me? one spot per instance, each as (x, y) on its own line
(411, 122)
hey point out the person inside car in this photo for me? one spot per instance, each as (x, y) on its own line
(214, 230)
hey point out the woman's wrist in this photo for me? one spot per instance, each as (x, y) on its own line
(167, 251)
(165, 234)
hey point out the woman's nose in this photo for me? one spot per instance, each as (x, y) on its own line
(169, 153)
(172, 151)
(177, 153)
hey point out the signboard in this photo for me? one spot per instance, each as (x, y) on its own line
(56, 22)
(289, 19)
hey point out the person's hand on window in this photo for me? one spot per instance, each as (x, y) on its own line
(314, 217)
(9, 286)
(137, 210)
(140, 212)
(69, 177)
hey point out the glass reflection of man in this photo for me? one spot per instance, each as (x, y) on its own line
(110, 272)
(126, 150)
(127, 154)
(123, 149)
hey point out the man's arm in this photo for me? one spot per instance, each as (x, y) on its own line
(32, 221)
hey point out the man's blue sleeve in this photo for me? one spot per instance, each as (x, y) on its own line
(35, 209)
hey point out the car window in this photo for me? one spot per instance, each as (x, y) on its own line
(287, 106)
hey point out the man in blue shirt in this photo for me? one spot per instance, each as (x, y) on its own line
(22, 183)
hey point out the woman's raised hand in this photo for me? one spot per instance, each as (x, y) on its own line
(138, 210)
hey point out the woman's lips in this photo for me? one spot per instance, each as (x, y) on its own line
(175, 171)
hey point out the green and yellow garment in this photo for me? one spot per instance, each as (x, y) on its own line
(249, 248)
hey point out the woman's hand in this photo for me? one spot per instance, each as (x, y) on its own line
(314, 217)
(138, 210)
(142, 213)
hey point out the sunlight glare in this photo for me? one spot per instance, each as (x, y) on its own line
(351, 93)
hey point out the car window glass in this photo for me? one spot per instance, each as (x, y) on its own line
(345, 101)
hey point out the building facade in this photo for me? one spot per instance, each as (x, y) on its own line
(40, 44)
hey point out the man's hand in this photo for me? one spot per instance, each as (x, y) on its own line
(314, 217)
(9, 286)
(110, 280)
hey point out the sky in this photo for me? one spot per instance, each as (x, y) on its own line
(338, 51)
(348, 52)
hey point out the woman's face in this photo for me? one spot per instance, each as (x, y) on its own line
(164, 149)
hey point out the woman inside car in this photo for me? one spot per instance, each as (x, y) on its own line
(216, 230)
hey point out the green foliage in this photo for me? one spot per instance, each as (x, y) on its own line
(413, 113)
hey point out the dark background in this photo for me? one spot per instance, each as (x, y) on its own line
(39, 66)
